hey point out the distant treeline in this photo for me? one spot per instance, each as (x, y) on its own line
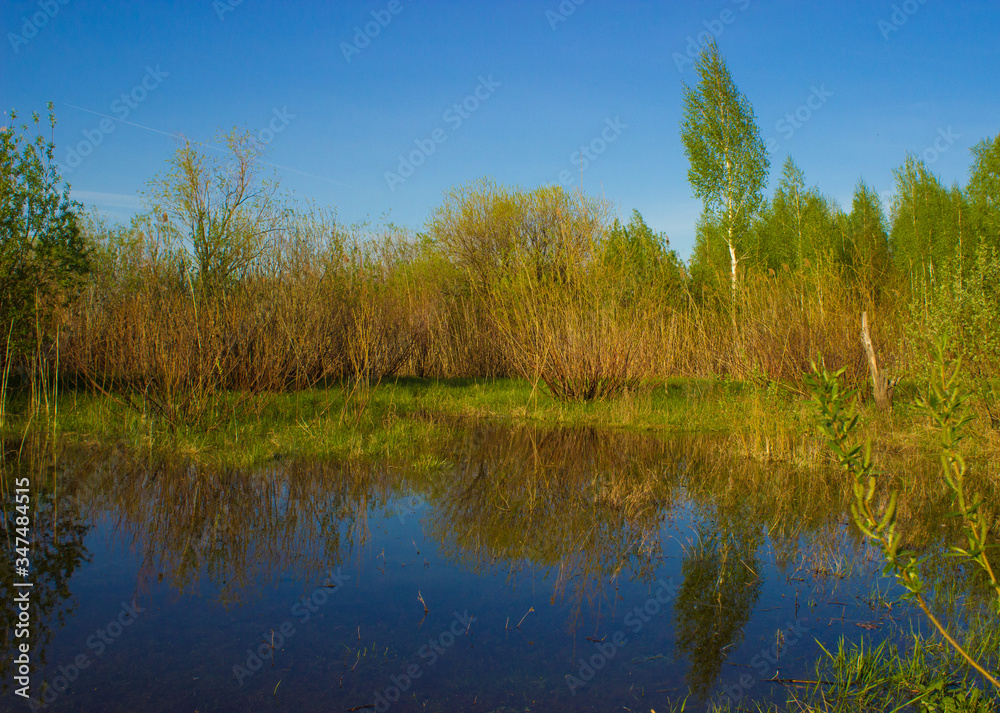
(221, 286)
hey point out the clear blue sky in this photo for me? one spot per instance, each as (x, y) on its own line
(605, 75)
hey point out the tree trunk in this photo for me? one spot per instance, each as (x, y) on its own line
(882, 385)
(733, 305)
(732, 269)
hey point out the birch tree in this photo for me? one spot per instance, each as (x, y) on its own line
(984, 190)
(729, 161)
(925, 221)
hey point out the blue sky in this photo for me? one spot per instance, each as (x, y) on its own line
(867, 81)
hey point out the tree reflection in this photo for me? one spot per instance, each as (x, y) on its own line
(56, 552)
(238, 529)
(587, 508)
(720, 590)
(587, 504)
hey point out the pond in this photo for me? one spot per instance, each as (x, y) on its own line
(514, 569)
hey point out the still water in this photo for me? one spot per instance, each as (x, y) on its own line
(512, 570)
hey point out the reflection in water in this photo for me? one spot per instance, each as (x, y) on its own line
(603, 515)
(56, 533)
(720, 590)
(237, 530)
(586, 504)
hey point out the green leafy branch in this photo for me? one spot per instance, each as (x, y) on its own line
(946, 403)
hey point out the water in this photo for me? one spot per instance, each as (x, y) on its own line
(560, 571)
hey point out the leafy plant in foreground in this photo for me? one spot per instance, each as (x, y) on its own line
(946, 404)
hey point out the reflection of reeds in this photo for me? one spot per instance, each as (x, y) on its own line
(8, 362)
(589, 505)
(235, 528)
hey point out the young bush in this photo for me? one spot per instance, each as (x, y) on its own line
(946, 405)
(569, 313)
(43, 255)
(961, 304)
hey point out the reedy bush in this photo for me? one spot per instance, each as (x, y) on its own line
(961, 304)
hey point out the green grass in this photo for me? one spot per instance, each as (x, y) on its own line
(924, 675)
(392, 418)
(398, 418)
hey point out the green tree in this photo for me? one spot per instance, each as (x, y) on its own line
(729, 161)
(43, 255)
(782, 224)
(925, 223)
(221, 208)
(644, 256)
(483, 228)
(984, 191)
(708, 257)
(867, 247)
(796, 226)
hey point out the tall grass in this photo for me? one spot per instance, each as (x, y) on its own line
(570, 325)
(545, 284)
(322, 304)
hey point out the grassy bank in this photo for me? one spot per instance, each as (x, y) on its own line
(398, 418)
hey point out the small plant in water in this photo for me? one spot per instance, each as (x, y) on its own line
(946, 404)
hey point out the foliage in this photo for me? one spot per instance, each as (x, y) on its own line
(219, 208)
(926, 221)
(644, 257)
(866, 250)
(945, 403)
(962, 305)
(984, 190)
(43, 256)
(569, 314)
(793, 225)
(485, 228)
(221, 286)
(729, 162)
